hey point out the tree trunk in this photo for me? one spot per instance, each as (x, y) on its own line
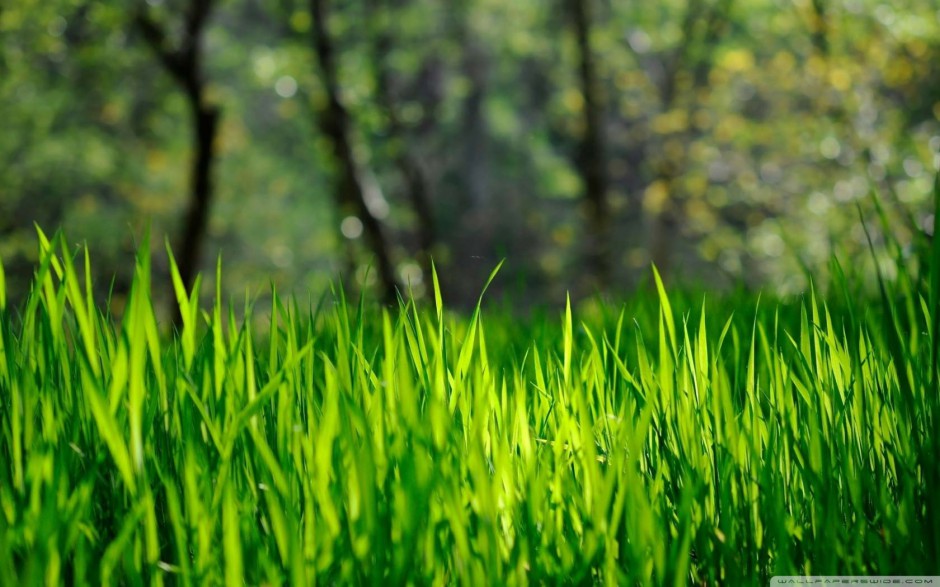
(413, 173)
(334, 122)
(592, 151)
(185, 66)
(205, 126)
(473, 122)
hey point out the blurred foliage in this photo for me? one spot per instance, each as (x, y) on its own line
(800, 117)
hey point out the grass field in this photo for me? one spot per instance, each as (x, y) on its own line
(678, 438)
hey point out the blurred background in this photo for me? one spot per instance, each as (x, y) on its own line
(727, 141)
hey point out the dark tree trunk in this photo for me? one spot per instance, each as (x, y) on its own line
(592, 151)
(410, 167)
(205, 124)
(184, 64)
(335, 123)
(474, 127)
(420, 195)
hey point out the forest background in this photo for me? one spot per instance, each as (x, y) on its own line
(726, 141)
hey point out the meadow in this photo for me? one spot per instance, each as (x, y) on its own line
(678, 437)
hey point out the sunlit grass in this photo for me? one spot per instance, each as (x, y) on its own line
(670, 440)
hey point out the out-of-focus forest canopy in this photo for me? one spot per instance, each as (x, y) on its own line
(723, 140)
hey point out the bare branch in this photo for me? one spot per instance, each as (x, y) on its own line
(155, 36)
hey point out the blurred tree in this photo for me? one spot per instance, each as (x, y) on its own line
(66, 145)
(417, 184)
(681, 92)
(352, 181)
(183, 60)
(745, 136)
(592, 149)
(476, 168)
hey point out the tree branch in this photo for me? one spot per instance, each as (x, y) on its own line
(155, 36)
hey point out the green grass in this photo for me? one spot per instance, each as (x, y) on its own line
(677, 438)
